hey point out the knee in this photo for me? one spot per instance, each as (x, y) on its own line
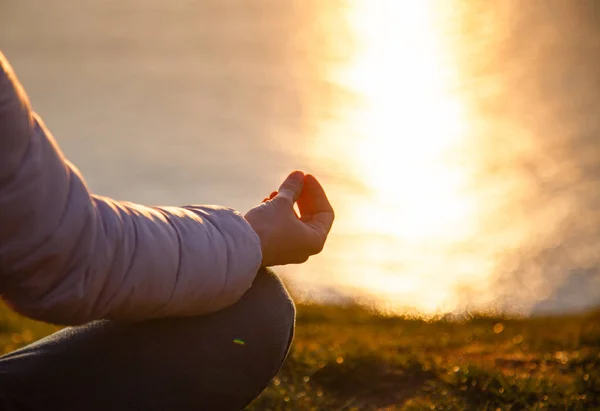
(269, 315)
(276, 313)
(270, 293)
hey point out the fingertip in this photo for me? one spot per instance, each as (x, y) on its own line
(311, 180)
(312, 185)
(315, 190)
(292, 186)
(297, 174)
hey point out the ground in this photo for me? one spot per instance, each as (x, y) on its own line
(350, 358)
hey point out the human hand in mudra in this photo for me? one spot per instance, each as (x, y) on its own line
(285, 237)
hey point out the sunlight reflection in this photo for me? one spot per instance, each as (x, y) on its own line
(409, 122)
(404, 133)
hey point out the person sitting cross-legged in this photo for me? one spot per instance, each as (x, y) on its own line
(170, 308)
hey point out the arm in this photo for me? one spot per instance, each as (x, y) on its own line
(69, 257)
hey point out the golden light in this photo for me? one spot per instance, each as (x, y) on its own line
(400, 233)
(409, 121)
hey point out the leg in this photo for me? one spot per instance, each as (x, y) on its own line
(220, 361)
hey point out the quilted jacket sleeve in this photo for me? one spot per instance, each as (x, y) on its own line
(68, 257)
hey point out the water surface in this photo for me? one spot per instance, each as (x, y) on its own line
(458, 140)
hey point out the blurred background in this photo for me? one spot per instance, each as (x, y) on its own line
(458, 140)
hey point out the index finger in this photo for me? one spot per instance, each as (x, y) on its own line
(319, 201)
(322, 222)
(321, 214)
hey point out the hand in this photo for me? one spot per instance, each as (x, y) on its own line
(285, 237)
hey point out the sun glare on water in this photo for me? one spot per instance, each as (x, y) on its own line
(406, 125)
(409, 120)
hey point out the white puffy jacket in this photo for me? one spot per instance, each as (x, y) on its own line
(68, 256)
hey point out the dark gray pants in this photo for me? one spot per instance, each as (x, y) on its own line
(220, 361)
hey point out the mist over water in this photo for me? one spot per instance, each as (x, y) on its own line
(533, 91)
(458, 140)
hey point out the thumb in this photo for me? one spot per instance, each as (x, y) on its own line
(291, 187)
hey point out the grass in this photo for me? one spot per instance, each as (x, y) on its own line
(349, 358)
(353, 359)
